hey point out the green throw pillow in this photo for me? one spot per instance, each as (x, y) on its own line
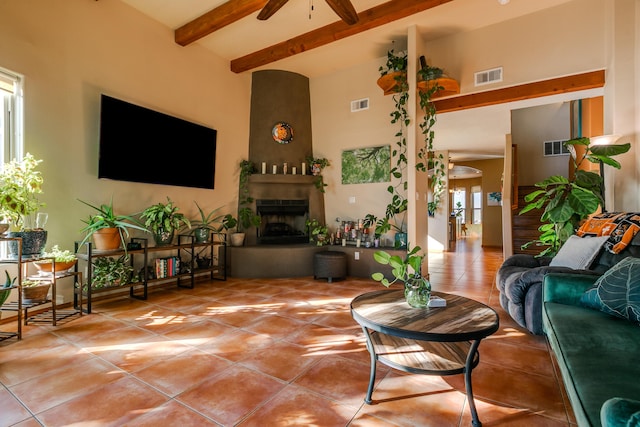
(617, 292)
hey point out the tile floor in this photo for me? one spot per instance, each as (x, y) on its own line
(281, 352)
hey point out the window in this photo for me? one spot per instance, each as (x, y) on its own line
(476, 204)
(10, 116)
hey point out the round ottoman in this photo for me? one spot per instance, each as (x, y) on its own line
(330, 265)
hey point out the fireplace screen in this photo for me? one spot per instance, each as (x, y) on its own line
(283, 221)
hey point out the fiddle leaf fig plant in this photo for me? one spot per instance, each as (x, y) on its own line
(565, 202)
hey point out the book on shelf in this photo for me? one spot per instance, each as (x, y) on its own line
(167, 267)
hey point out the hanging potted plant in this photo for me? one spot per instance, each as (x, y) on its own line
(162, 220)
(393, 75)
(20, 183)
(108, 229)
(317, 165)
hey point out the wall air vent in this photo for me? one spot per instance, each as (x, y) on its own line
(359, 105)
(485, 77)
(555, 148)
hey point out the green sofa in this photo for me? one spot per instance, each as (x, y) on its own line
(598, 352)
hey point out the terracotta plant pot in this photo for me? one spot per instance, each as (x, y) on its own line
(45, 265)
(107, 239)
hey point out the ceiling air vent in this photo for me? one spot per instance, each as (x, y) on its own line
(359, 105)
(485, 77)
(555, 148)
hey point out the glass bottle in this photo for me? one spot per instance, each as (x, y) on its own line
(417, 291)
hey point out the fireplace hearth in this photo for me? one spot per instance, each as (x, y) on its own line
(283, 221)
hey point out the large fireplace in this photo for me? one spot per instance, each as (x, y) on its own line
(283, 221)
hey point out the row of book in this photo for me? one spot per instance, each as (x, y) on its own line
(167, 267)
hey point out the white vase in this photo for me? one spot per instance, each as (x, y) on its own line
(237, 239)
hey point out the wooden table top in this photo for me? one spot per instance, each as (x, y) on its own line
(462, 319)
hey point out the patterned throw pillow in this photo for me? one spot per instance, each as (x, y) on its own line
(617, 292)
(621, 227)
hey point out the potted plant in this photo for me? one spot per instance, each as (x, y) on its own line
(108, 229)
(20, 183)
(317, 165)
(207, 224)
(317, 231)
(567, 201)
(408, 271)
(162, 220)
(246, 216)
(393, 75)
(110, 271)
(35, 291)
(64, 260)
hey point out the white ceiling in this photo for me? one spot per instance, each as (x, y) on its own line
(484, 129)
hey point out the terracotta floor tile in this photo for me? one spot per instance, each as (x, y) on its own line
(171, 413)
(296, 406)
(179, 373)
(228, 397)
(113, 404)
(12, 410)
(281, 360)
(236, 345)
(67, 382)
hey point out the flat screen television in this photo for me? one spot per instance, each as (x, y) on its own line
(141, 145)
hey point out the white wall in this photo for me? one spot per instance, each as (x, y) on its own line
(72, 51)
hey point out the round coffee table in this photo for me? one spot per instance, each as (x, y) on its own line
(434, 341)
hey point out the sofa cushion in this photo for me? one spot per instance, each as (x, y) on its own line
(620, 412)
(617, 292)
(578, 252)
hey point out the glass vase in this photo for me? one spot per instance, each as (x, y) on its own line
(417, 291)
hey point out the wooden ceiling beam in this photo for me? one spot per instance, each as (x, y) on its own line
(367, 19)
(223, 15)
(556, 86)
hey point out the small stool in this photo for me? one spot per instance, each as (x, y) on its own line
(330, 265)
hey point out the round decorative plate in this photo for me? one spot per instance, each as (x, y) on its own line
(282, 133)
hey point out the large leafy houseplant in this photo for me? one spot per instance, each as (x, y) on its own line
(105, 219)
(246, 215)
(163, 219)
(565, 202)
(20, 183)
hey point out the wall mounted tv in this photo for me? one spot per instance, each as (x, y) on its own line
(141, 145)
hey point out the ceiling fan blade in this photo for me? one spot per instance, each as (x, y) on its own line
(345, 10)
(270, 8)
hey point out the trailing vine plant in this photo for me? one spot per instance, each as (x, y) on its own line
(246, 216)
(399, 117)
(426, 156)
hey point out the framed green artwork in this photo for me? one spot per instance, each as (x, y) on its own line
(366, 165)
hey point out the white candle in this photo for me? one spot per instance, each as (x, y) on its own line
(304, 168)
(264, 168)
(275, 169)
(284, 169)
(293, 170)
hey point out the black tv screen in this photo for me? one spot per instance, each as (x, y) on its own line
(141, 145)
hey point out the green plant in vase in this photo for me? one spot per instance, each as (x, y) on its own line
(5, 289)
(211, 222)
(163, 219)
(109, 271)
(20, 184)
(408, 271)
(317, 231)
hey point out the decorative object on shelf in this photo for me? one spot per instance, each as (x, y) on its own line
(567, 202)
(282, 133)
(5, 289)
(162, 220)
(317, 231)
(20, 183)
(107, 229)
(34, 291)
(203, 262)
(208, 223)
(317, 165)
(65, 259)
(408, 271)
